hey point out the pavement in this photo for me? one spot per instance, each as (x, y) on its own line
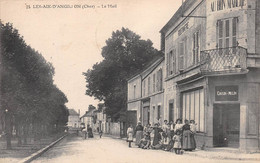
(217, 153)
(114, 149)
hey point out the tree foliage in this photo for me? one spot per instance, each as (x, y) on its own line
(125, 54)
(27, 90)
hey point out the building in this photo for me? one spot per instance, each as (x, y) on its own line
(102, 120)
(212, 64)
(73, 120)
(145, 95)
(89, 118)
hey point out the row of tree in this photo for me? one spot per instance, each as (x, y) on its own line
(30, 103)
(125, 54)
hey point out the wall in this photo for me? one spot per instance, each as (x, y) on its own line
(133, 94)
(246, 24)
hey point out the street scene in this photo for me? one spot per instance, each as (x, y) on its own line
(123, 81)
(109, 149)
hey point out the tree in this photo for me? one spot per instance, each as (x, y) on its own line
(125, 54)
(28, 95)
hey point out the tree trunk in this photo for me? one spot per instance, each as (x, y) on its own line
(8, 129)
(19, 134)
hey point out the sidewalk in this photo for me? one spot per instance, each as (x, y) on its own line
(216, 153)
(18, 153)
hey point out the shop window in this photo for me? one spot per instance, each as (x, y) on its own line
(193, 107)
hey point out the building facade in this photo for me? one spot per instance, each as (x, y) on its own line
(212, 66)
(145, 95)
(73, 119)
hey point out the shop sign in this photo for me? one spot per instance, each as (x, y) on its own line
(217, 5)
(226, 93)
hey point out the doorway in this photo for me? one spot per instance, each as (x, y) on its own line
(146, 115)
(226, 125)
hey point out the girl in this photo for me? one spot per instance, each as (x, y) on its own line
(177, 142)
(130, 133)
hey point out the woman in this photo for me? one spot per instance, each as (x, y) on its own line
(139, 133)
(130, 133)
(187, 143)
(193, 132)
(156, 135)
(178, 125)
(89, 131)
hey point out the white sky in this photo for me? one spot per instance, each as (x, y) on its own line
(71, 39)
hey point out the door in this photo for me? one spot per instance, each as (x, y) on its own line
(146, 115)
(226, 125)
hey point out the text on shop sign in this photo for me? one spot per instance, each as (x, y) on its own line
(226, 93)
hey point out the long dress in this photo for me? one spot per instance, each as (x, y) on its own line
(193, 130)
(130, 133)
(90, 133)
(187, 142)
(157, 135)
(139, 134)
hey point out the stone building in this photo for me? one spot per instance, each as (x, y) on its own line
(212, 71)
(145, 94)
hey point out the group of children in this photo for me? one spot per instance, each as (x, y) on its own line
(168, 137)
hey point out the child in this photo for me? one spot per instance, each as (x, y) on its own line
(130, 133)
(145, 142)
(177, 142)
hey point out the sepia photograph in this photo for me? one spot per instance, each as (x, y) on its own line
(129, 81)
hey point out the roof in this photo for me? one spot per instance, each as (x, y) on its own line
(88, 114)
(150, 64)
(184, 7)
(73, 112)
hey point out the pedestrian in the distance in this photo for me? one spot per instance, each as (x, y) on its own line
(138, 133)
(89, 131)
(130, 134)
(100, 133)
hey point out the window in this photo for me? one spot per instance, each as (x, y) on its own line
(227, 32)
(196, 47)
(134, 91)
(159, 80)
(149, 85)
(170, 63)
(193, 107)
(144, 88)
(174, 61)
(153, 82)
(159, 113)
(182, 51)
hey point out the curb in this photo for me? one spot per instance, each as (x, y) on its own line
(41, 151)
(223, 157)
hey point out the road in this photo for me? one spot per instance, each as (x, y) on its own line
(109, 150)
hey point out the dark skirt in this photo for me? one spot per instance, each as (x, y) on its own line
(188, 140)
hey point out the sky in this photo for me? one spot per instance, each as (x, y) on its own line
(71, 36)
